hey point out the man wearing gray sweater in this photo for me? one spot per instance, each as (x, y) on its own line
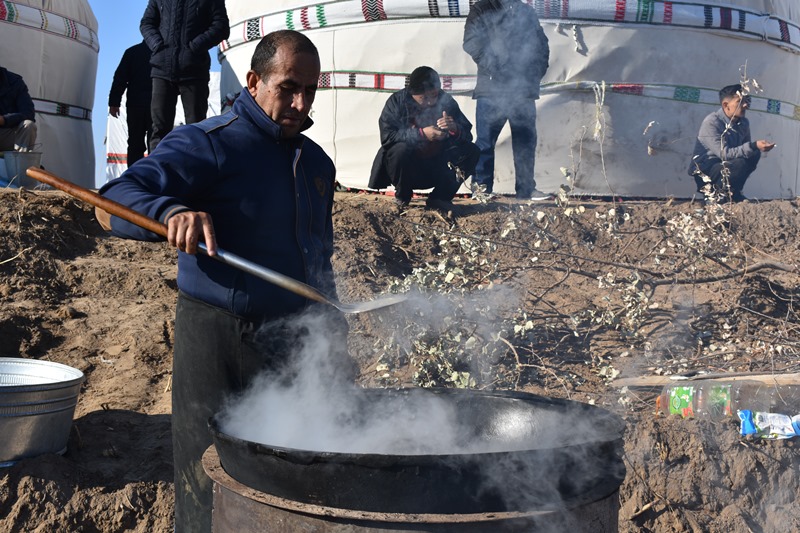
(723, 146)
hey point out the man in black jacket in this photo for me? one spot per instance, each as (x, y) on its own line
(132, 77)
(423, 132)
(179, 34)
(507, 43)
(17, 115)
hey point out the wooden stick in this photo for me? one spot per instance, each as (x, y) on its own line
(660, 381)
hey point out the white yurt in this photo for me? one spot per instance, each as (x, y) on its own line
(53, 45)
(628, 85)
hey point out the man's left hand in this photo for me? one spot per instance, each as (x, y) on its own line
(765, 146)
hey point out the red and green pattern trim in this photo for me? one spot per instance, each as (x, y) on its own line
(747, 23)
(463, 84)
(24, 15)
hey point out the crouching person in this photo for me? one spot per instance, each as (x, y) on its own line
(423, 133)
(723, 146)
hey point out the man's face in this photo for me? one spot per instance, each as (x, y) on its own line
(736, 106)
(428, 98)
(288, 91)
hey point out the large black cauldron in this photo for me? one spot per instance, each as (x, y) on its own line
(530, 453)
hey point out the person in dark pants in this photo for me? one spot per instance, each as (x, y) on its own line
(423, 134)
(132, 77)
(506, 41)
(250, 180)
(179, 34)
(17, 114)
(723, 147)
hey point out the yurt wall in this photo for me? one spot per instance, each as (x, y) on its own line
(53, 45)
(628, 86)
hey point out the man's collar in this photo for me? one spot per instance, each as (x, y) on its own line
(272, 127)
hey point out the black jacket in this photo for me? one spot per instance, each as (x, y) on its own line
(401, 120)
(179, 33)
(133, 75)
(507, 43)
(15, 102)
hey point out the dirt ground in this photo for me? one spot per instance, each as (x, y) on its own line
(70, 293)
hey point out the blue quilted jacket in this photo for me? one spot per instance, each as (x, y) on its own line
(270, 200)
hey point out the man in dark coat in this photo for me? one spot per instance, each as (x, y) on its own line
(132, 77)
(423, 132)
(507, 43)
(179, 34)
(17, 115)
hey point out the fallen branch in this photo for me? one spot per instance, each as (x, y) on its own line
(764, 265)
(16, 256)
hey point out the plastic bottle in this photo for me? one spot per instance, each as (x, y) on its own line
(718, 399)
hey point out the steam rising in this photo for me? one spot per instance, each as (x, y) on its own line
(503, 443)
(312, 404)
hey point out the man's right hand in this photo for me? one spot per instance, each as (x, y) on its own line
(432, 133)
(113, 111)
(765, 146)
(185, 229)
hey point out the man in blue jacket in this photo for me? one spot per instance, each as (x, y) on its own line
(423, 133)
(724, 149)
(179, 34)
(17, 115)
(252, 182)
(132, 78)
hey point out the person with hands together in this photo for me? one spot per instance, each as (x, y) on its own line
(423, 135)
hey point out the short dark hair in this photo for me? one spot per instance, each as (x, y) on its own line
(262, 60)
(422, 80)
(730, 91)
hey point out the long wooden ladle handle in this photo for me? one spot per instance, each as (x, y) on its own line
(91, 197)
(276, 278)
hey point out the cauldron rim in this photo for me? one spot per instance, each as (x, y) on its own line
(438, 484)
(614, 432)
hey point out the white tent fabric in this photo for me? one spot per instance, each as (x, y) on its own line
(117, 129)
(53, 45)
(628, 86)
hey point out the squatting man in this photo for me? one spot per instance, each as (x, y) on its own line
(724, 147)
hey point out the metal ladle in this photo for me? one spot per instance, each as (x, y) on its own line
(276, 278)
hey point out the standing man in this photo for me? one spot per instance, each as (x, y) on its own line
(17, 115)
(507, 43)
(179, 34)
(723, 146)
(423, 131)
(250, 180)
(133, 78)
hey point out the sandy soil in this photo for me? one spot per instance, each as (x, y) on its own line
(72, 294)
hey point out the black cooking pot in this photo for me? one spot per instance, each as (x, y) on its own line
(527, 453)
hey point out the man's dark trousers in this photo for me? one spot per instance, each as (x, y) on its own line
(490, 117)
(408, 169)
(194, 95)
(740, 170)
(140, 126)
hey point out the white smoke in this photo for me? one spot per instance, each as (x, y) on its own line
(512, 445)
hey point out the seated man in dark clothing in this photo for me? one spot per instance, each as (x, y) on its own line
(724, 147)
(423, 134)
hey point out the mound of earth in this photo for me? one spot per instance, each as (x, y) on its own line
(679, 291)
